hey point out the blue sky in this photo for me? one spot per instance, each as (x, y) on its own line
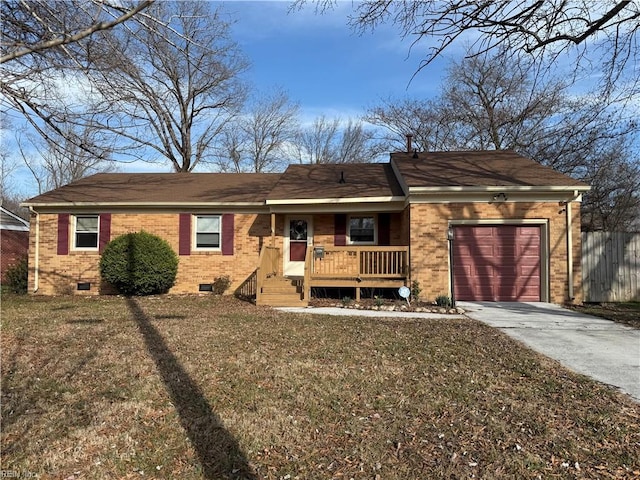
(322, 63)
(318, 60)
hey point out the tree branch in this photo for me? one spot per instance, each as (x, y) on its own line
(67, 39)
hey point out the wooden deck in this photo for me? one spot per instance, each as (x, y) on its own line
(354, 266)
(357, 267)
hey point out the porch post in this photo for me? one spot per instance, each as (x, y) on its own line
(273, 229)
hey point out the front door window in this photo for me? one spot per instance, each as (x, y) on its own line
(298, 232)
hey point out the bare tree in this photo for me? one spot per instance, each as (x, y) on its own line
(487, 103)
(45, 47)
(36, 26)
(256, 141)
(56, 163)
(540, 28)
(315, 144)
(613, 204)
(327, 141)
(168, 90)
(398, 117)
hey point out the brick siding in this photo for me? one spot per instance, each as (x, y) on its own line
(423, 226)
(430, 252)
(59, 274)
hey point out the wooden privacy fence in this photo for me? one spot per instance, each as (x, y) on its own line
(610, 266)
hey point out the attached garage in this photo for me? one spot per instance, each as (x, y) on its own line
(498, 263)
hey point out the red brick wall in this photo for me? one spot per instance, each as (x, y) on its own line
(14, 246)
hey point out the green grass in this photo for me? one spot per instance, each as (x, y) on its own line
(204, 387)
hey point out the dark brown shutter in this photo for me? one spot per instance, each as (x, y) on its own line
(340, 230)
(105, 230)
(384, 229)
(63, 234)
(184, 234)
(227, 233)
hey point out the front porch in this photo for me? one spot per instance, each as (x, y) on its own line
(355, 267)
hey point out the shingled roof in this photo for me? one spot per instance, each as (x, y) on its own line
(500, 168)
(315, 183)
(336, 181)
(164, 188)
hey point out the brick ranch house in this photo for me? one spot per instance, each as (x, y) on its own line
(14, 240)
(511, 225)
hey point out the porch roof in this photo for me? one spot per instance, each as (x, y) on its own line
(335, 182)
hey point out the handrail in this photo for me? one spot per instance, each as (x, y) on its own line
(359, 262)
(267, 266)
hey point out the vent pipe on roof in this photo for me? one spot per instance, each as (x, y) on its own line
(342, 180)
(409, 141)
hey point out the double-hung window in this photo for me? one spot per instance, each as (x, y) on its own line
(86, 232)
(207, 232)
(362, 230)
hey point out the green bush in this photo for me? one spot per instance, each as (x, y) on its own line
(139, 264)
(16, 277)
(443, 301)
(415, 290)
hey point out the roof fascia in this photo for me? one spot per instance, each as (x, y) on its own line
(16, 217)
(504, 188)
(142, 204)
(488, 197)
(398, 175)
(324, 201)
(395, 206)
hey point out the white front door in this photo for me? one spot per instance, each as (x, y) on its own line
(298, 235)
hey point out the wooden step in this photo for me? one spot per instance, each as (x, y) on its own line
(281, 292)
(281, 300)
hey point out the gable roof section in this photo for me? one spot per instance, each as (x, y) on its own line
(11, 221)
(387, 185)
(478, 170)
(162, 189)
(363, 182)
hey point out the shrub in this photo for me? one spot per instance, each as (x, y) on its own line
(221, 284)
(443, 301)
(17, 275)
(139, 264)
(415, 290)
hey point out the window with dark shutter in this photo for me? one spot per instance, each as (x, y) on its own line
(184, 234)
(228, 227)
(105, 230)
(63, 234)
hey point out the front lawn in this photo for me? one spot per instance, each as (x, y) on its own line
(621, 312)
(203, 387)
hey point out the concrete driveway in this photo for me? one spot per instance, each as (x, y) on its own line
(606, 351)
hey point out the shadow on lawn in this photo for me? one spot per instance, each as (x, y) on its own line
(218, 451)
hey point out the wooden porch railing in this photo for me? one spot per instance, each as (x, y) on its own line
(358, 266)
(267, 267)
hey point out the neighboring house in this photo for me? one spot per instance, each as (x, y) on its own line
(513, 225)
(14, 240)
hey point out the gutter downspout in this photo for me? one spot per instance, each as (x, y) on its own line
(36, 266)
(570, 246)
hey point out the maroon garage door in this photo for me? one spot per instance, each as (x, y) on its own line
(497, 263)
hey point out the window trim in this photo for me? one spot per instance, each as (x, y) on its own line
(375, 229)
(75, 232)
(195, 247)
